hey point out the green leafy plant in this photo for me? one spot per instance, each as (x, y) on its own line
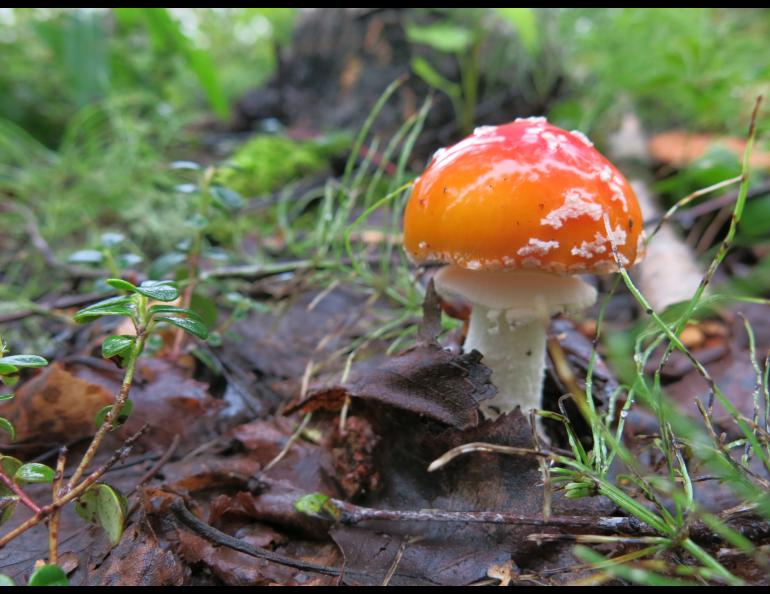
(95, 501)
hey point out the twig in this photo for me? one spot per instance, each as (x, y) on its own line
(114, 413)
(484, 447)
(259, 271)
(397, 559)
(53, 523)
(354, 514)
(162, 461)
(598, 538)
(19, 492)
(289, 443)
(75, 492)
(186, 518)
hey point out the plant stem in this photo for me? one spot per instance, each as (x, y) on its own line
(353, 514)
(114, 412)
(53, 523)
(19, 492)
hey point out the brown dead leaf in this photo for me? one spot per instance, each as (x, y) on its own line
(506, 573)
(425, 379)
(166, 397)
(55, 407)
(139, 560)
(308, 328)
(448, 554)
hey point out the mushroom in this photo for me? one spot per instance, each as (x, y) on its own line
(517, 211)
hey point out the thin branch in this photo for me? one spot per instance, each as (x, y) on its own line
(53, 523)
(19, 492)
(484, 447)
(162, 461)
(187, 519)
(114, 413)
(354, 514)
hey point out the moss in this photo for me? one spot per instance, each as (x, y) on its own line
(266, 162)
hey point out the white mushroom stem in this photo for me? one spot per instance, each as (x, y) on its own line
(516, 355)
(508, 325)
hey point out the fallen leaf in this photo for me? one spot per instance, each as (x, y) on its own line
(166, 397)
(425, 379)
(680, 148)
(55, 407)
(506, 573)
(139, 560)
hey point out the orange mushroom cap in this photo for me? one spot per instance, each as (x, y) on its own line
(524, 195)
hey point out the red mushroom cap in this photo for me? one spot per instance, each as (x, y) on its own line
(524, 195)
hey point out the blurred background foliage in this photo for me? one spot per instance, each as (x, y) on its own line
(97, 103)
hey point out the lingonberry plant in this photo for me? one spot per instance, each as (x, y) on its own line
(148, 307)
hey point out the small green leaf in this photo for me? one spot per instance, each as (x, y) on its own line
(86, 257)
(442, 36)
(112, 239)
(6, 369)
(125, 412)
(122, 305)
(128, 260)
(190, 325)
(7, 396)
(160, 290)
(198, 221)
(121, 285)
(48, 575)
(524, 22)
(105, 506)
(206, 308)
(8, 498)
(317, 505)
(6, 581)
(214, 339)
(9, 380)
(117, 345)
(34, 472)
(173, 309)
(24, 361)
(8, 427)
(154, 344)
(205, 357)
(431, 76)
(188, 165)
(229, 200)
(166, 263)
